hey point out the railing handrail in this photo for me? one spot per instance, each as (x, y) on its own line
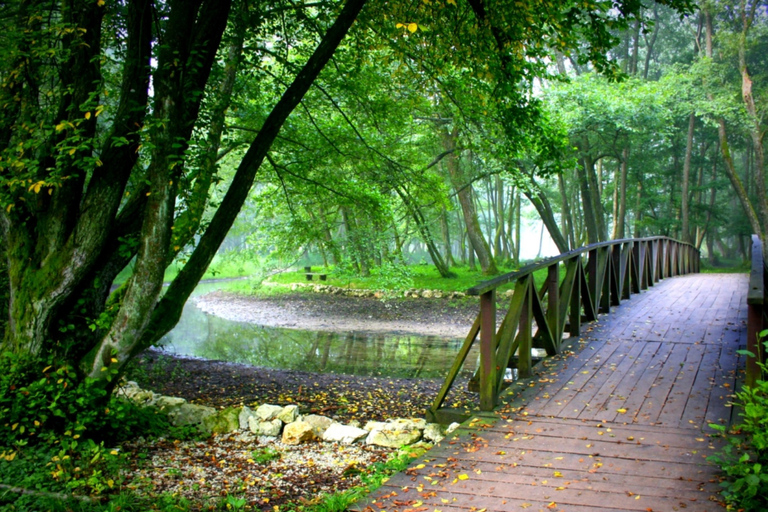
(595, 278)
(509, 277)
(756, 311)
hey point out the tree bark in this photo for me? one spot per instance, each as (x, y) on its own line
(725, 151)
(464, 193)
(684, 206)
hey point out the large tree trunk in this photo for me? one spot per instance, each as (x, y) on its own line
(66, 246)
(756, 131)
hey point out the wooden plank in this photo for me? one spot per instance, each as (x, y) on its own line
(487, 351)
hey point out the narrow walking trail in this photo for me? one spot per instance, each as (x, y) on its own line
(620, 423)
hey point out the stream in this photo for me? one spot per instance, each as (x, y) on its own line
(354, 353)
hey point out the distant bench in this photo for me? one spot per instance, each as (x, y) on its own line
(308, 273)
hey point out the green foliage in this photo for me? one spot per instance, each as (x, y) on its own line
(265, 455)
(744, 460)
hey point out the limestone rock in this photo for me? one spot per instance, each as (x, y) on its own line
(135, 394)
(374, 425)
(167, 404)
(298, 432)
(318, 423)
(427, 294)
(268, 412)
(434, 432)
(224, 421)
(453, 426)
(405, 423)
(190, 414)
(288, 414)
(269, 428)
(345, 434)
(245, 414)
(393, 438)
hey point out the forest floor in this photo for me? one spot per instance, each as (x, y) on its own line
(234, 464)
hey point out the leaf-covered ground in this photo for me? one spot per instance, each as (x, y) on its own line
(234, 465)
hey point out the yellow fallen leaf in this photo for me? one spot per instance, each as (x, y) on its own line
(621, 411)
(463, 476)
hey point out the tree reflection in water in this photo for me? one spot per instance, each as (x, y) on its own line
(353, 353)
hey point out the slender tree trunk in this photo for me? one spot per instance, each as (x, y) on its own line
(650, 44)
(730, 168)
(588, 203)
(684, 206)
(541, 203)
(567, 219)
(464, 192)
(449, 261)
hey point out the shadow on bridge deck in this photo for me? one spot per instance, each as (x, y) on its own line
(620, 422)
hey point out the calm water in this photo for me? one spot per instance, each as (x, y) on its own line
(392, 355)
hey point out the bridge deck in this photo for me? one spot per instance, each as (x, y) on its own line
(619, 424)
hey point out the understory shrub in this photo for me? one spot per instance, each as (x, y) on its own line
(744, 460)
(58, 434)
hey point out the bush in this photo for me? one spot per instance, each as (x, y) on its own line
(39, 402)
(744, 460)
(58, 429)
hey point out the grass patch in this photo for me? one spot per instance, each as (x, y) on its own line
(418, 276)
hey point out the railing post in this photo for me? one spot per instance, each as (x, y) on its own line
(524, 334)
(487, 350)
(553, 303)
(574, 310)
(755, 308)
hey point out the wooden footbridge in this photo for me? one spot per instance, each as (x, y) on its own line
(617, 417)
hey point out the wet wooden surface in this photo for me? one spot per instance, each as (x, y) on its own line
(620, 423)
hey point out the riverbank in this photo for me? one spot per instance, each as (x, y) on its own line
(343, 398)
(325, 312)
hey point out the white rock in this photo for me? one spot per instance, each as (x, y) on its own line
(298, 432)
(453, 426)
(374, 425)
(393, 438)
(269, 428)
(288, 414)
(405, 423)
(318, 423)
(244, 417)
(268, 412)
(434, 432)
(167, 404)
(345, 434)
(190, 414)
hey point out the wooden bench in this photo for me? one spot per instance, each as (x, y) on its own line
(308, 273)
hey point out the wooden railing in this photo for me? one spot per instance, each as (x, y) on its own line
(756, 310)
(579, 285)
